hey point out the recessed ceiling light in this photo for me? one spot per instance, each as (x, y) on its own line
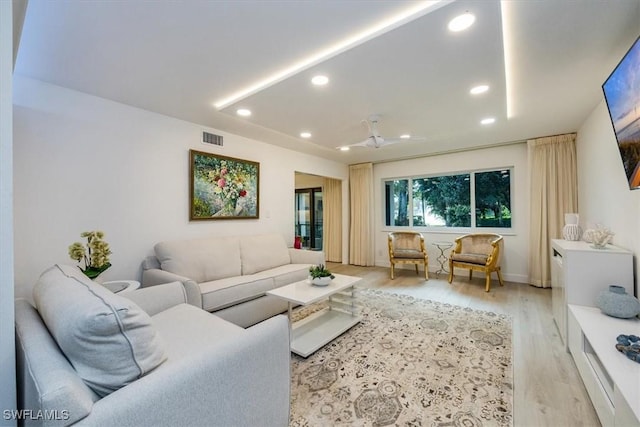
(476, 90)
(414, 11)
(305, 134)
(243, 112)
(344, 148)
(405, 136)
(320, 80)
(462, 22)
(487, 121)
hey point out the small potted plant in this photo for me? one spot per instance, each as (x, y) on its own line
(95, 254)
(320, 276)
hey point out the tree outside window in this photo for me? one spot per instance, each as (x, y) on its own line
(493, 199)
(445, 201)
(397, 202)
(442, 201)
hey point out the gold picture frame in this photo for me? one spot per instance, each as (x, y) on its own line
(222, 187)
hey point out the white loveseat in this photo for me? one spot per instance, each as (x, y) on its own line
(230, 275)
(88, 357)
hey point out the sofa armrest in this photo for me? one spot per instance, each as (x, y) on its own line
(245, 382)
(156, 276)
(154, 299)
(303, 256)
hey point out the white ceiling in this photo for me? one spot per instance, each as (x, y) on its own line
(177, 58)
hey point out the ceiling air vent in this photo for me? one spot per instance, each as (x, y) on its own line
(210, 138)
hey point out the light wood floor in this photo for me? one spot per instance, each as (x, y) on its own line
(547, 388)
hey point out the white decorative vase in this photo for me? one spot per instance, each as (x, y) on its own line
(571, 218)
(571, 231)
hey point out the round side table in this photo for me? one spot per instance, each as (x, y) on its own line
(117, 286)
(442, 258)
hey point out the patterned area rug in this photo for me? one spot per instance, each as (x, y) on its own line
(410, 362)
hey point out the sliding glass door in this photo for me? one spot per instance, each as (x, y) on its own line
(309, 217)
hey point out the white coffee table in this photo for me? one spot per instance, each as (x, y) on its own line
(316, 330)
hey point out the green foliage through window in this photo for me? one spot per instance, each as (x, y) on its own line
(493, 199)
(446, 201)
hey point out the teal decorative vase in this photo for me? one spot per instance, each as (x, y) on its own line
(615, 302)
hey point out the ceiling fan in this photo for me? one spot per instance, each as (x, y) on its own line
(375, 140)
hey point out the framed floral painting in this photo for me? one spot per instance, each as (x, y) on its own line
(222, 187)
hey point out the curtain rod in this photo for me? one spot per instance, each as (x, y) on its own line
(552, 136)
(462, 150)
(457, 150)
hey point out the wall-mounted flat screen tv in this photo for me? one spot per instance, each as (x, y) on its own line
(622, 94)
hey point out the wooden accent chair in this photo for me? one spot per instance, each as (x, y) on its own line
(407, 247)
(479, 252)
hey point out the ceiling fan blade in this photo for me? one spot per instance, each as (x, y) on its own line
(390, 141)
(375, 140)
(366, 143)
(397, 140)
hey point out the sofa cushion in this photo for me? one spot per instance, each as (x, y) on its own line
(107, 338)
(223, 293)
(201, 260)
(218, 294)
(263, 252)
(286, 274)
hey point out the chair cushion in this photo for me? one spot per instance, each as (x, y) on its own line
(263, 252)
(188, 330)
(478, 243)
(480, 259)
(408, 254)
(107, 338)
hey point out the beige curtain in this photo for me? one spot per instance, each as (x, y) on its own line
(332, 219)
(554, 192)
(361, 241)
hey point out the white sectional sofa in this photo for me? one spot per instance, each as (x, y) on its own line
(88, 357)
(230, 275)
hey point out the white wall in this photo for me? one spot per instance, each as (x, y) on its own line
(603, 191)
(515, 260)
(308, 181)
(7, 332)
(85, 163)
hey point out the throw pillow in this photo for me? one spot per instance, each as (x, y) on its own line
(108, 339)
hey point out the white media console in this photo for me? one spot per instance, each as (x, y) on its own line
(579, 273)
(611, 379)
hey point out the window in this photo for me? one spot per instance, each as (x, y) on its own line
(448, 200)
(397, 197)
(442, 201)
(493, 199)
